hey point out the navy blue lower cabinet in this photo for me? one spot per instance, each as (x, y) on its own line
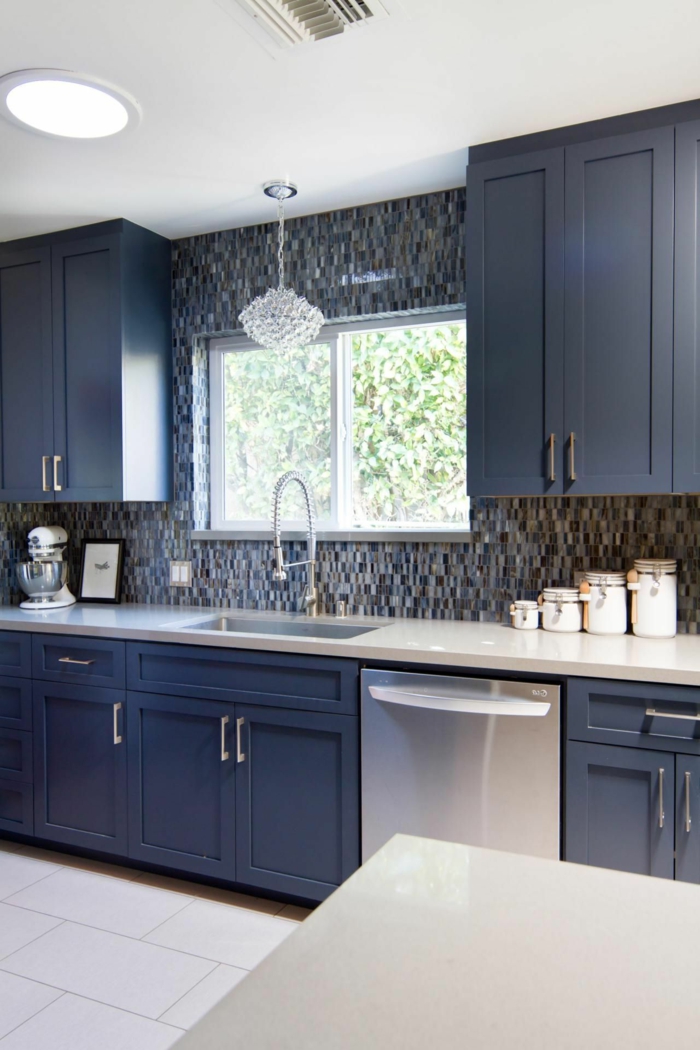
(80, 766)
(297, 800)
(182, 783)
(16, 812)
(687, 818)
(620, 808)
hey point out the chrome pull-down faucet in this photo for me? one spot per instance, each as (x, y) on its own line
(309, 599)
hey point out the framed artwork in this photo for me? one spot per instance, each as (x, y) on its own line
(101, 571)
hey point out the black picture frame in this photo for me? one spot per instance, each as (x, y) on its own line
(109, 560)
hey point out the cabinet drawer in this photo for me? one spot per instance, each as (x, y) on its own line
(16, 807)
(305, 683)
(58, 658)
(15, 703)
(607, 712)
(16, 654)
(15, 755)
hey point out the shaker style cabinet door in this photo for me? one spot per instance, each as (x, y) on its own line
(686, 392)
(620, 808)
(26, 376)
(687, 818)
(515, 323)
(80, 766)
(619, 314)
(181, 784)
(297, 800)
(87, 369)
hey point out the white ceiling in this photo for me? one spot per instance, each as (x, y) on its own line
(383, 111)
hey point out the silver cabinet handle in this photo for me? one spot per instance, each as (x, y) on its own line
(224, 753)
(661, 798)
(687, 803)
(552, 473)
(56, 486)
(651, 711)
(240, 755)
(115, 710)
(45, 460)
(70, 660)
(572, 456)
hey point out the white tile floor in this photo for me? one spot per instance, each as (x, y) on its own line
(95, 955)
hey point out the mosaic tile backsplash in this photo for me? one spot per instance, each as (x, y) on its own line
(401, 255)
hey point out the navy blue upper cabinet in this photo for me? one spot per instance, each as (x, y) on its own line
(515, 321)
(686, 423)
(26, 372)
(297, 800)
(182, 764)
(103, 431)
(619, 314)
(620, 808)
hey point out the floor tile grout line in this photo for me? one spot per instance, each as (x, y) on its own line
(211, 900)
(158, 926)
(206, 976)
(37, 938)
(98, 1002)
(43, 877)
(78, 922)
(36, 1013)
(76, 867)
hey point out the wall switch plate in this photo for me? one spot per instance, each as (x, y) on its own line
(181, 573)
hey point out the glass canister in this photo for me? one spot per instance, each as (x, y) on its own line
(654, 612)
(561, 609)
(607, 603)
(525, 615)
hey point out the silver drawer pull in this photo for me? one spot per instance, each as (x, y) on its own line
(224, 753)
(661, 798)
(687, 803)
(45, 460)
(115, 710)
(240, 755)
(56, 486)
(70, 660)
(651, 711)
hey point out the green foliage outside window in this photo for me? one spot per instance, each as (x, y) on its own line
(409, 427)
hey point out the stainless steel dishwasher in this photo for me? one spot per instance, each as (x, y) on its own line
(464, 759)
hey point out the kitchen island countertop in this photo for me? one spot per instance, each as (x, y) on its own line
(451, 643)
(438, 944)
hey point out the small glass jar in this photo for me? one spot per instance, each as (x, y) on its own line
(656, 605)
(561, 609)
(525, 615)
(607, 602)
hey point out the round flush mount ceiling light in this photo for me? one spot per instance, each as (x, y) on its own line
(59, 103)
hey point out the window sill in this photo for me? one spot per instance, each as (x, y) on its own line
(461, 535)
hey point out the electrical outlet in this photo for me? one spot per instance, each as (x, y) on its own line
(181, 573)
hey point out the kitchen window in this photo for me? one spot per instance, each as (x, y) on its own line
(374, 414)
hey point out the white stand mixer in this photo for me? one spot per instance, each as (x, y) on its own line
(43, 578)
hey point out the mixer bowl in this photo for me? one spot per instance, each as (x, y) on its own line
(42, 579)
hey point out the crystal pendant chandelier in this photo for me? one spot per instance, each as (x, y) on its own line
(281, 320)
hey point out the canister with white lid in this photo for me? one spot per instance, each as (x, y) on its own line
(561, 609)
(525, 615)
(607, 602)
(656, 605)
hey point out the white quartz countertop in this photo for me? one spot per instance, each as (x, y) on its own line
(452, 643)
(433, 944)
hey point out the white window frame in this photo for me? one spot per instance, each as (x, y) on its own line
(339, 525)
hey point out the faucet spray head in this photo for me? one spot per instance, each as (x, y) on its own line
(278, 573)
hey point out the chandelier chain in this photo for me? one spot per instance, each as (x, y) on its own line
(280, 235)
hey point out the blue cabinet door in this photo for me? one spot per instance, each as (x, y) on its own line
(515, 325)
(26, 375)
(80, 766)
(87, 363)
(619, 314)
(297, 800)
(182, 783)
(620, 808)
(686, 334)
(687, 818)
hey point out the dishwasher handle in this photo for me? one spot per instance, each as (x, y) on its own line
(463, 704)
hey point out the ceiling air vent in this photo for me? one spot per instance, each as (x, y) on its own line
(293, 22)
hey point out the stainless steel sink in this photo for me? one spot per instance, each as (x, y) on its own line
(302, 628)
